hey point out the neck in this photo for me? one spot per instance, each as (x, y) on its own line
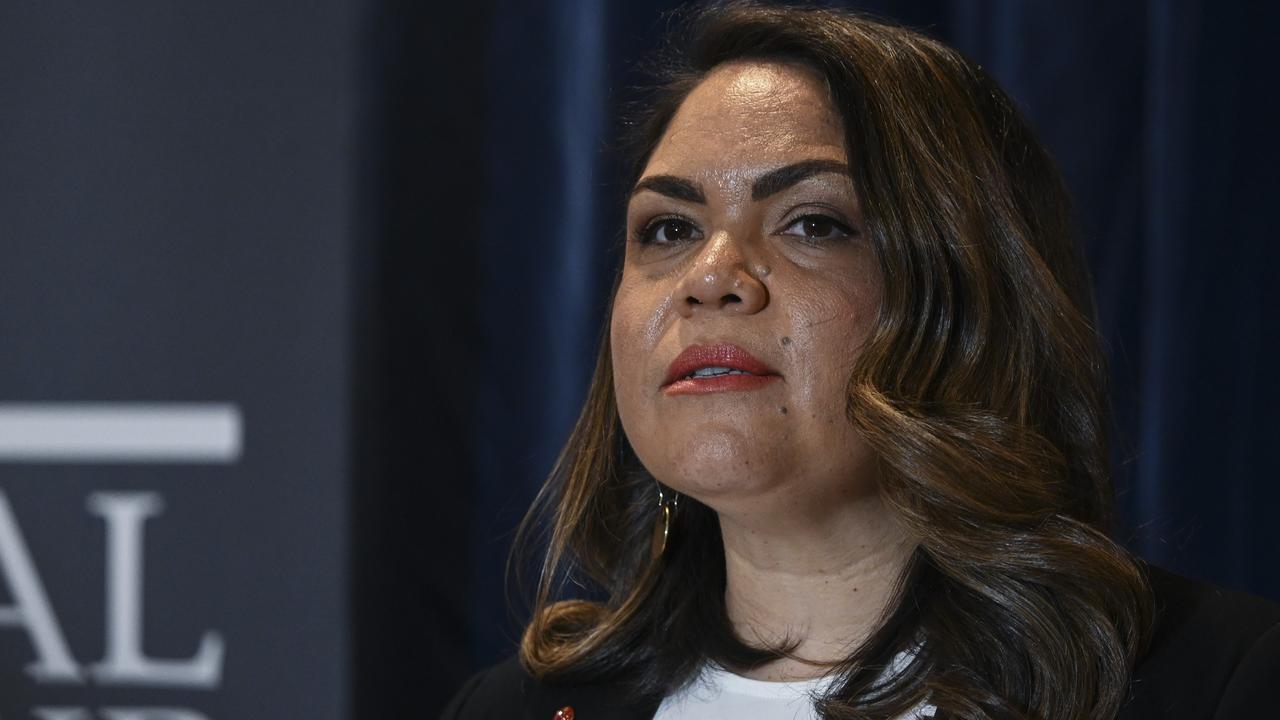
(824, 580)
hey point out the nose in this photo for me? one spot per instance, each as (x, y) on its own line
(719, 280)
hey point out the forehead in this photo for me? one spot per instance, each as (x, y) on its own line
(749, 117)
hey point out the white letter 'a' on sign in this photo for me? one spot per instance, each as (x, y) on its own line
(31, 608)
(125, 663)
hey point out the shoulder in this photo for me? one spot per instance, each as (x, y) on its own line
(496, 692)
(507, 691)
(1213, 653)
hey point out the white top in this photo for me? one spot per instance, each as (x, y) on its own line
(717, 694)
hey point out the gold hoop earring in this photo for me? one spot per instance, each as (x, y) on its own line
(662, 523)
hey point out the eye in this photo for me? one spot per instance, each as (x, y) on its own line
(819, 227)
(668, 231)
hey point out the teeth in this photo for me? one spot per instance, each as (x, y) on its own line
(715, 371)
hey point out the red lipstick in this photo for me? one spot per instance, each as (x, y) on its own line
(722, 367)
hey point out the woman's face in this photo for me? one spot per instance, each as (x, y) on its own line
(745, 254)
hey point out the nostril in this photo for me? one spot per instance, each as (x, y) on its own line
(730, 298)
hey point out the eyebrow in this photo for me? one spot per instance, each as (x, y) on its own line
(775, 181)
(673, 187)
(772, 182)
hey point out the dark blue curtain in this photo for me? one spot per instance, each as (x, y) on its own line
(492, 209)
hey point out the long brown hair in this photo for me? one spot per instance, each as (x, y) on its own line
(981, 390)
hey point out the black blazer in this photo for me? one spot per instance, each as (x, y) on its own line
(1215, 655)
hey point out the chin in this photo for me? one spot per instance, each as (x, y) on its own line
(717, 465)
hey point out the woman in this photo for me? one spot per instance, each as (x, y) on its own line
(843, 454)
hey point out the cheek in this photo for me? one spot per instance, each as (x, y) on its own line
(622, 355)
(634, 328)
(828, 328)
(826, 340)
(635, 407)
(642, 311)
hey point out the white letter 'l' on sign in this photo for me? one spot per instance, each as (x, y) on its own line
(125, 662)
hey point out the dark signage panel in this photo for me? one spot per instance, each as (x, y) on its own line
(173, 338)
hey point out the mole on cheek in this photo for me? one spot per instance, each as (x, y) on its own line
(786, 340)
(783, 409)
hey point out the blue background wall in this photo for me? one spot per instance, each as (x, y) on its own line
(383, 230)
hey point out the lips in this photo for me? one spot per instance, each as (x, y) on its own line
(716, 368)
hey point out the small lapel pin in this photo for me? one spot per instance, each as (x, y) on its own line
(564, 713)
